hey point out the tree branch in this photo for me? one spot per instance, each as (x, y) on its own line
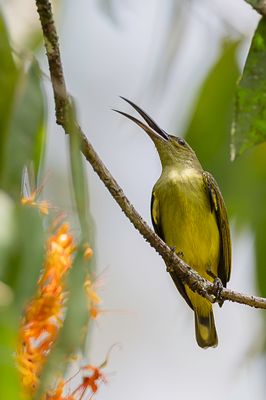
(173, 262)
(258, 5)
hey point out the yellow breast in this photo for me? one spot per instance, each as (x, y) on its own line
(183, 210)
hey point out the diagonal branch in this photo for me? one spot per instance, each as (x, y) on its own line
(62, 104)
(258, 5)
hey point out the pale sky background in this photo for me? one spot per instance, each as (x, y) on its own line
(159, 357)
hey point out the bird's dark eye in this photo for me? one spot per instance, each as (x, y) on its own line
(181, 141)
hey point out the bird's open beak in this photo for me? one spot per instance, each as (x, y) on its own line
(153, 130)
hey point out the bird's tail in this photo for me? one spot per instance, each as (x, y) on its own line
(206, 334)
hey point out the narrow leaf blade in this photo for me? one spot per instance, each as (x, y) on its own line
(249, 126)
(8, 82)
(78, 176)
(26, 134)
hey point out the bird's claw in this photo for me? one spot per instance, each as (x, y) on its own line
(218, 287)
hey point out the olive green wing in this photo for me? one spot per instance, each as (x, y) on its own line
(157, 225)
(218, 207)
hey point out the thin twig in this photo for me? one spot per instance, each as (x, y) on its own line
(172, 261)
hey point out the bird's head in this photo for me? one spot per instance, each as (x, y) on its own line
(173, 150)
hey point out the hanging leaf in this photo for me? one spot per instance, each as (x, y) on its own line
(249, 126)
(8, 81)
(7, 230)
(209, 127)
(26, 133)
(26, 259)
(77, 316)
(78, 175)
(9, 383)
(9, 379)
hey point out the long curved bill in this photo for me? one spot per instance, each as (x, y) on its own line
(153, 130)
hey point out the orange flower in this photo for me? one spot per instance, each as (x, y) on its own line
(42, 205)
(88, 252)
(30, 195)
(91, 378)
(93, 297)
(90, 384)
(43, 315)
(58, 393)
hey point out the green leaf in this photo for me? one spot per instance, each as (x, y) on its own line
(8, 81)
(9, 380)
(209, 132)
(7, 230)
(71, 336)
(21, 250)
(249, 126)
(26, 258)
(209, 127)
(26, 133)
(21, 259)
(78, 176)
(260, 256)
(21, 271)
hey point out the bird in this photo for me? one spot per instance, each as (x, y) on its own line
(189, 214)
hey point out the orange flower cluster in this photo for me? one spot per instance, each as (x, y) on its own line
(43, 315)
(90, 383)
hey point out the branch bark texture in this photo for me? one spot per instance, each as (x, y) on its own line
(62, 104)
(258, 5)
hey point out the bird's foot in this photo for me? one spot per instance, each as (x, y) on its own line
(218, 287)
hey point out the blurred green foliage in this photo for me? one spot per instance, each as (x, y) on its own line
(21, 233)
(72, 336)
(26, 130)
(249, 126)
(8, 81)
(243, 181)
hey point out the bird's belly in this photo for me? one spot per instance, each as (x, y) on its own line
(190, 226)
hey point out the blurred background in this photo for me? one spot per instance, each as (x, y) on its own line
(179, 60)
